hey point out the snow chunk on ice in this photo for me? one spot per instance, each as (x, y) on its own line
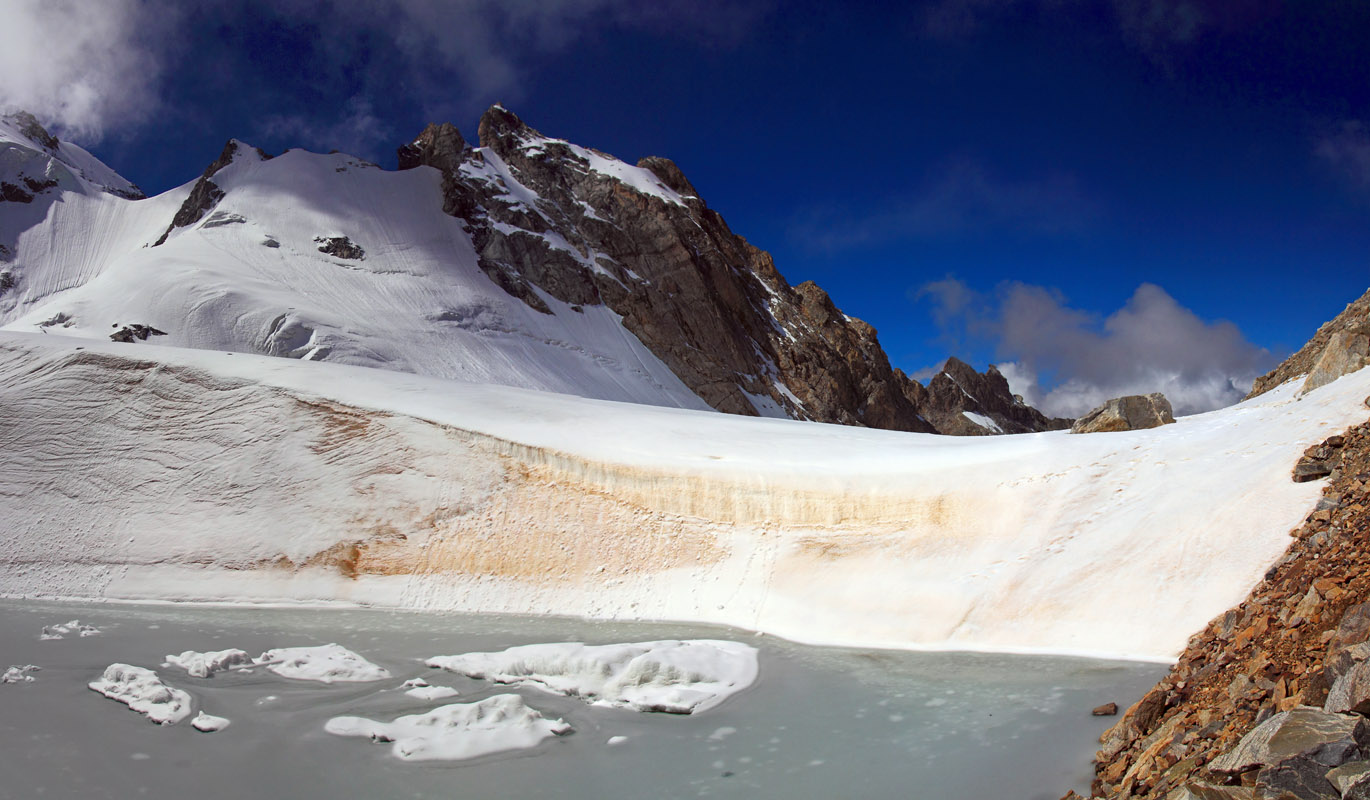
(141, 690)
(203, 665)
(16, 674)
(615, 741)
(432, 692)
(326, 663)
(677, 677)
(67, 628)
(208, 723)
(457, 731)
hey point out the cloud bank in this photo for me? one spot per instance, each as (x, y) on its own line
(81, 67)
(1066, 361)
(90, 67)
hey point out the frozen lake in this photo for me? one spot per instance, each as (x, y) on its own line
(818, 722)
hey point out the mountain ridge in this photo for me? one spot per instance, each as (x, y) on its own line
(564, 231)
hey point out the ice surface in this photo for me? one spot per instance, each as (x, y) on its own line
(458, 731)
(65, 629)
(141, 690)
(328, 663)
(19, 674)
(677, 677)
(204, 665)
(208, 723)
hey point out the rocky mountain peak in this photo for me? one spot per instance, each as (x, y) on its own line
(498, 125)
(965, 402)
(669, 173)
(440, 145)
(31, 128)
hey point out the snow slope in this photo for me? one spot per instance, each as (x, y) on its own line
(163, 473)
(249, 277)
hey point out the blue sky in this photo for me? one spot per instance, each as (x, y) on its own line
(1103, 194)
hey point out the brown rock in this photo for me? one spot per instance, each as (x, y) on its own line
(1134, 412)
(1105, 710)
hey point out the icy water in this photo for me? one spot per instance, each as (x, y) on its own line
(818, 723)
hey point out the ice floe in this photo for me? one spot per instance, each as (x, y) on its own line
(65, 629)
(19, 674)
(457, 731)
(328, 663)
(209, 723)
(204, 665)
(677, 677)
(141, 690)
(423, 690)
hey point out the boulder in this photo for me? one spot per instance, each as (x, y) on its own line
(1346, 352)
(1130, 413)
(1105, 710)
(1350, 693)
(1352, 780)
(1300, 733)
(1303, 778)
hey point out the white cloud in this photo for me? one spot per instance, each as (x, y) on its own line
(80, 67)
(1151, 344)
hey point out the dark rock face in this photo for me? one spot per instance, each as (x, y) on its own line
(551, 221)
(205, 195)
(7, 282)
(340, 247)
(128, 333)
(34, 130)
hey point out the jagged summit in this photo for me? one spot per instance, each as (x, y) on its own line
(33, 161)
(524, 259)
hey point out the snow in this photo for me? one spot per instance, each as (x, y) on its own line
(329, 663)
(19, 674)
(204, 665)
(458, 731)
(615, 741)
(432, 692)
(983, 421)
(208, 723)
(65, 629)
(233, 478)
(141, 690)
(418, 302)
(677, 677)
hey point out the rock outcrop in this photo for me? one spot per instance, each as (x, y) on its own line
(1340, 346)
(962, 402)
(552, 219)
(1131, 413)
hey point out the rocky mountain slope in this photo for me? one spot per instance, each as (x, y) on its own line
(525, 260)
(1297, 638)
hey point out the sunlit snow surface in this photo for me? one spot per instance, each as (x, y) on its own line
(166, 473)
(817, 722)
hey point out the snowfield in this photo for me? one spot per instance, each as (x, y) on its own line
(162, 473)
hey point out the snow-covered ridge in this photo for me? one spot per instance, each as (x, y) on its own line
(211, 476)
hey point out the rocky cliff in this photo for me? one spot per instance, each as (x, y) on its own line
(549, 216)
(1352, 322)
